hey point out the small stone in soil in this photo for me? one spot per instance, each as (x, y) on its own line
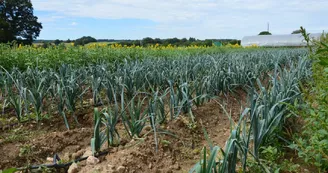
(50, 159)
(176, 167)
(73, 168)
(92, 160)
(111, 166)
(77, 154)
(87, 153)
(120, 169)
(66, 156)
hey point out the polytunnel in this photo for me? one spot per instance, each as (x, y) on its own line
(277, 40)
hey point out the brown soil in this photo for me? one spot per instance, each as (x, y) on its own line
(178, 149)
(30, 143)
(175, 154)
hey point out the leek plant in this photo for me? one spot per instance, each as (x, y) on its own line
(99, 137)
(259, 124)
(112, 118)
(110, 121)
(187, 100)
(202, 93)
(16, 92)
(71, 82)
(180, 100)
(17, 102)
(223, 160)
(132, 78)
(3, 90)
(137, 118)
(113, 86)
(97, 75)
(174, 101)
(156, 108)
(37, 89)
(61, 104)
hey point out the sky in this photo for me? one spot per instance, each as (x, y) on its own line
(202, 19)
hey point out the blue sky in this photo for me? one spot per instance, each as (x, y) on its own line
(136, 19)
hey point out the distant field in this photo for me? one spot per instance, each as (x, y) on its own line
(69, 44)
(105, 42)
(38, 44)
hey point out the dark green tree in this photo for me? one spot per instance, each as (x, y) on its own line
(157, 40)
(5, 33)
(45, 45)
(84, 40)
(172, 41)
(184, 40)
(147, 41)
(208, 43)
(17, 21)
(57, 42)
(265, 33)
(191, 39)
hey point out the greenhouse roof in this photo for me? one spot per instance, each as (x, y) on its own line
(277, 40)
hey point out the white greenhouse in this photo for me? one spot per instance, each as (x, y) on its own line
(277, 40)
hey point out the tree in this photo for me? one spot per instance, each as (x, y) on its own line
(158, 41)
(57, 42)
(84, 40)
(184, 40)
(5, 33)
(191, 39)
(172, 41)
(265, 33)
(17, 21)
(296, 31)
(208, 43)
(147, 40)
(45, 45)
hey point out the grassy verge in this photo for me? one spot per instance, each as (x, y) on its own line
(312, 140)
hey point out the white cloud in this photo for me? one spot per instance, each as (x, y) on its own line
(51, 18)
(73, 24)
(198, 17)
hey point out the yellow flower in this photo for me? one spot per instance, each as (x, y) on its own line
(252, 46)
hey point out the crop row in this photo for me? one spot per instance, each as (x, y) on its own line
(138, 92)
(54, 57)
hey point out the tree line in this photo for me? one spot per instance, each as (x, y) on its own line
(145, 42)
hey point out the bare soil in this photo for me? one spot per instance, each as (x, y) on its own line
(178, 149)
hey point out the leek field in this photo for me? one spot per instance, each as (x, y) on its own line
(143, 104)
